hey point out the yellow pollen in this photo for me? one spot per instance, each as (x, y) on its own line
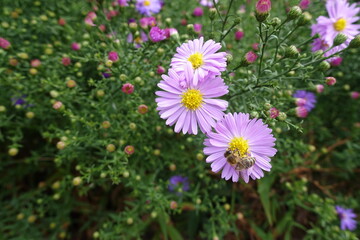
(138, 40)
(196, 60)
(239, 145)
(340, 24)
(192, 99)
(147, 2)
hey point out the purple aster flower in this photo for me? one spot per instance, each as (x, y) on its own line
(305, 99)
(199, 59)
(138, 40)
(179, 183)
(208, 3)
(245, 138)
(342, 16)
(190, 106)
(156, 34)
(148, 7)
(18, 100)
(346, 218)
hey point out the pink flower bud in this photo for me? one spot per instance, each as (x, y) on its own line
(160, 70)
(102, 27)
(239, 35)
(304, 4)
(301, 112)
(336, 61)
(57, 105)
(129, 149)
(127, 88)
(142, 109)
(330, 81)
(183, 22)
(300, 102)
(274, 112)
(250, 57)
(66, 61)
(113, 56)
(5, 44)
(61, 22)
(173, 205)
(197, 27)
(35, 63)
(263, 6)
(171, 32)
(355, 95)
(319, 88)
(255, 46)
(198, 12)
(75, 46)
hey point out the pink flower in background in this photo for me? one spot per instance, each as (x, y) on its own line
(156, 34)
(129, 149)
(207, 3)
(61, 22)
(250, 57)
(5, 44)
(355, 95)
(66, 61)
(102, 27)
(255, 46)
(239, 35)
(147, 22)
(171, 32)
(198, 59)
(197, 27)
(330, 81)
(319, 88)
(35, 63)
(160, 70)
(304, 4)
(127, 88)
(123, 3)
(274, 112)
(190, 106)
(89, 19)
(198, 12)
(148, 7)
(336, 61)
(113, 56)
(263, 6)
(245, 137)
(111, 14)
(75, 46)
(301, 112)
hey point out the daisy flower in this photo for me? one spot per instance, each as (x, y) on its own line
(179, 183)
(190, 106)
(199, 59)
(305, 99)
(346, 216)
(148, 7)
(249, 138)
(342, 16)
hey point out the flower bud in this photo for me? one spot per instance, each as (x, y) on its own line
(229, 58)
(282, 116)
(294, 13)
(30, 115)
(324, 66)
(304, 19)
(127, 88)
(330, 81)
(237, 20)
(77, 181)
(142, 109)
(129, 149)
(301, 112)
(319, 88)
(355, 43)
(291, 52)
(275, 21)
(340, 39)
(110, 148)
(60, 145)
(71, 84)
(262, 10)
(198, 12)
(239, 35)
(105, 124)
(355, 95)
(273, 113)
(57, 105)
(173, 205)
(160, 70)
(13, 152)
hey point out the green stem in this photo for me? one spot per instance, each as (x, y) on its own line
(225, 20)
(217, 10)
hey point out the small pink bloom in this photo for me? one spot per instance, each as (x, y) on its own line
(111, 14)
(355, 95)
(263, 6)
(5, 44)
(75, 46)
(170, 32)
(304, 4)
(156, 34)
(300, 102)
(319, 88)
(239, 35)
(197, 27)
(173, 205)
(301, 112)
(61, 22)
(250, 57)
(160, 70)
(66, 61)
(198, 12)
(113, 56)
(102, 27)
(127, 88)
(57, 105)
(274, 112)
(330, 81)
(129, 149)
(142, 109)
(336, 61)
(183, 22)
(35, 63)
(91, 15)
(255, 46)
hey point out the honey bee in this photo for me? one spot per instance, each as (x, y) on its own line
(238, 162)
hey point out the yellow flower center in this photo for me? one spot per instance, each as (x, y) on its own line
(138, 40)
(340, 24)
(240, 146)
(146, 3)
(196, 60)
(192, 99)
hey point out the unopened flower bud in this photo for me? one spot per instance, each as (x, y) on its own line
(291, 52)
(105, 124)
(294, 13)
(60, 145)
(355, 95)
(237, 20)
(319, 88)
(301, 112)
(129, 149)
(262, 10)
(142, 109)
(212, 13)
(76, 181)
(110, 148)
(13, 152)
(304, 19)
(273, 112)
(173, 205)
(340, 39)
(229, 58)
(355, 43)
(330, 81)
(324, 66)
(275, 21)
(71, 84)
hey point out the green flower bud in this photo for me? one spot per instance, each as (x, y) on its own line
(212, 13)
(237, 20)
(275, 21)
(229, 58)
(291, 52)
(304, 19)
(324, 66)
(355, 43)
(294, 13)
(340, 39)
(282, 116)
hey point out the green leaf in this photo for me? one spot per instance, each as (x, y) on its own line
(264, 187)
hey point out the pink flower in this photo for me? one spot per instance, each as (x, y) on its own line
(147, 22)
(123, 3)
(128, 88)
(301, 112)
(250, 57)
(111, 14)
(263, 6)
(197, 27)
(35, 63)
(300, 102)
(336, 61)
(90, 17)
(274, 112)
(304, 4)
(129, 149)
(156, 34)
(319, 88)
(66, 61)
(102, 27)
(61, 22)
(5, 44)
(113, 56)
(239, 35)
(160, 70)
(171, 32)
(75, 46)
(255, 46)
(355, 95)
(330, 81)
(198, 12)
(57, 105)
(142, 109)
(183, 22)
